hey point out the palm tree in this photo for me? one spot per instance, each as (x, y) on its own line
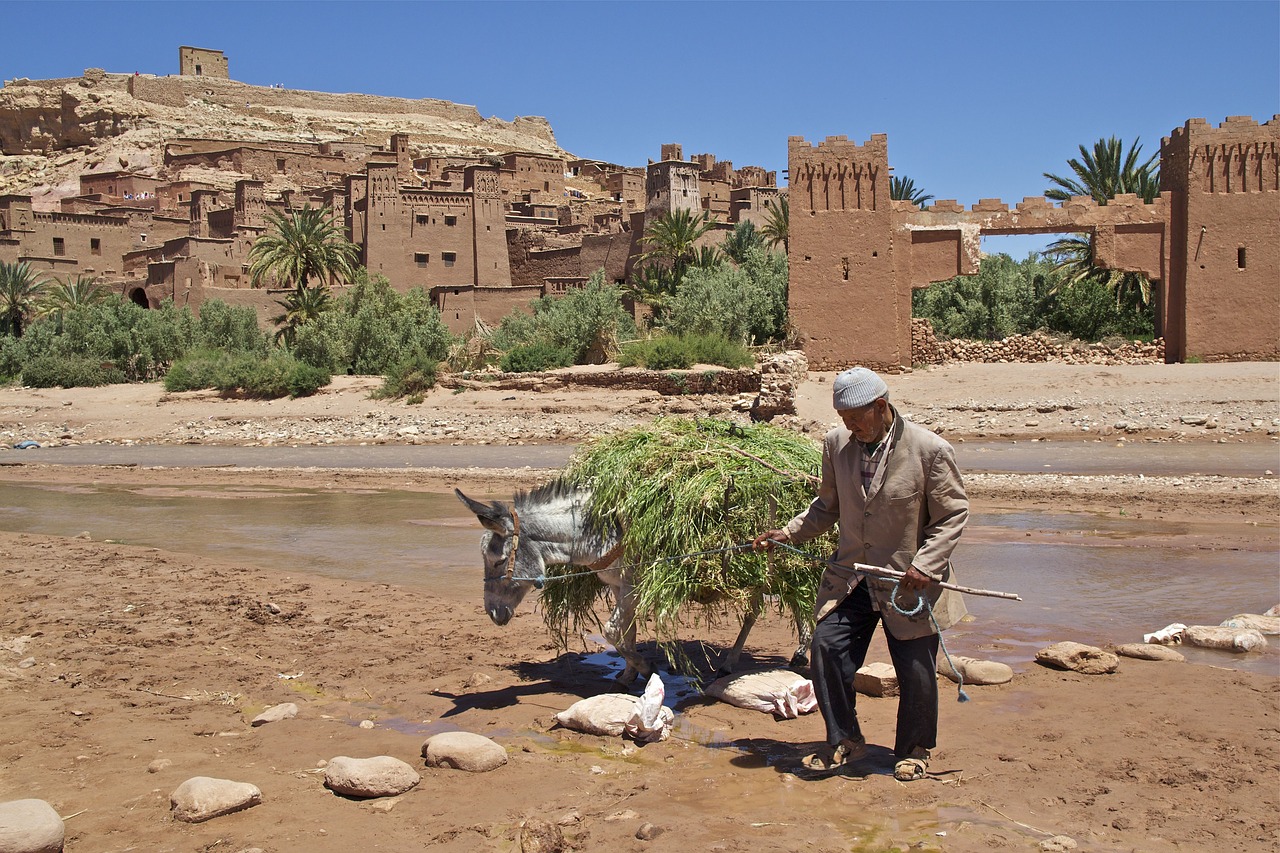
(303, 245)
(904, 189)
(302, 305)
(777, 223)
(20, 290)
(1108, 172)
(73, 293)
(1103, 174)
(672, 238)
(742, 239)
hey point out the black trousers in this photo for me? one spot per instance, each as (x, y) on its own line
(840, 645)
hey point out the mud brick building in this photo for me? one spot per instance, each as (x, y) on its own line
(1210, 241)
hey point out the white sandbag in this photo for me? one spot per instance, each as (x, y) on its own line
(1260, 623)
(774, 691)
(609, 714)
(650, 720)
(1170, 635)
(1231, 639)
(606, 714)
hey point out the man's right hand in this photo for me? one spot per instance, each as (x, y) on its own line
(768, 539)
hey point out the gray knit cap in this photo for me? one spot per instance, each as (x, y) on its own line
(857, 387)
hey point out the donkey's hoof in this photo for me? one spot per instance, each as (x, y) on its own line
(799, 660)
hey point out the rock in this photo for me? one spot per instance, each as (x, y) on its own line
(975, 671)
(648, 832)
(1078, 657)
(30, 826)
(463, 751)
(1148, 651)
(540, 836)
(1058, 844)
(876, 679)
(380, 776)
(1272, 611)
(1218, 637)
(201, 798)
(1194, 420)
(1263, 624)
(159, 764)
(276, 713)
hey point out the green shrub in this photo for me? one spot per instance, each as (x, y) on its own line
(745, 303)
(410, 378)
(540, 355)
(75, 371)
(223, 327)
(586, 322)
(246, 375)
(370, 328)
(682, 352)
(197, 370)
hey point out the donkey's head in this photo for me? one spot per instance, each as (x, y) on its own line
(510, 570)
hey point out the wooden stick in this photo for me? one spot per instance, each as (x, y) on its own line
(894, 574)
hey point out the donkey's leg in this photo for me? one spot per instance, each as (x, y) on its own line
(620, 630)
(800, 658)
(730, 661)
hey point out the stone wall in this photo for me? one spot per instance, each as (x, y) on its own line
(926, 348)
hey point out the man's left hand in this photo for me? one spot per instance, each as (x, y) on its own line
(915, 580)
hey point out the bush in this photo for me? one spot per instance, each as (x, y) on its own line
(585, 322)
(371, 328)
(746, 303)
(48, 371)
(540, 355)
(223, 327)
(410, 378)
(197, 370)
(246, 375)
(682, 352)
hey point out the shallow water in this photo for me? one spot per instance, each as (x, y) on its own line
(1087, 578)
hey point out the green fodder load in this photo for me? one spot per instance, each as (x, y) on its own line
(679, 486)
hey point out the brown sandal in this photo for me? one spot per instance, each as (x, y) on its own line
(832, 758)
(913, 767)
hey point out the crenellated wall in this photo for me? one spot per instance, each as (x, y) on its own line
(1211, 241)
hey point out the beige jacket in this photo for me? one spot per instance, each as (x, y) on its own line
(912, 515)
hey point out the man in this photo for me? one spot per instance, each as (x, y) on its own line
(896, 492)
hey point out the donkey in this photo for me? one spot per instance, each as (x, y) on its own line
(551, 526)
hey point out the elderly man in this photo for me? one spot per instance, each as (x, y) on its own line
(896, 492)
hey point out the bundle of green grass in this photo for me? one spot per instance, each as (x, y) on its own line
(680, 486)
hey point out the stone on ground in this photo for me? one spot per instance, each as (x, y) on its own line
(30, 826)
(1228, 639)
(201, 798)
(1261, 623)
(876, 679)
(975, 671)
(1077, 657)
(1149, 651)
(463, 751)
(379, 776)
(276, 713)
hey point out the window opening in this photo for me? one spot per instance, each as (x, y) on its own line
(95, 245)
(420, 258)
(448, 258)
(59, 246)
(1240, 258)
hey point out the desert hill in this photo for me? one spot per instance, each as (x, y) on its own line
(52, 131)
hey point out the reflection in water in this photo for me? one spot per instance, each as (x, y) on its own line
(1084, 578)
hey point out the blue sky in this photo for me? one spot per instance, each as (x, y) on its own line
(978, 99)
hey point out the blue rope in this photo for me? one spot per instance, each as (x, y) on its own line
(921, 604)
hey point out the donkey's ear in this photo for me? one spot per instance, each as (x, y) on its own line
(494, 516)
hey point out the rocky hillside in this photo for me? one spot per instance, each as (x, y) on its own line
(52, 131)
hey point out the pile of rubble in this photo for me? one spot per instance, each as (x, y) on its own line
(926, 348)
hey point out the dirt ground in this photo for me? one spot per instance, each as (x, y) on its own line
(117, 659)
